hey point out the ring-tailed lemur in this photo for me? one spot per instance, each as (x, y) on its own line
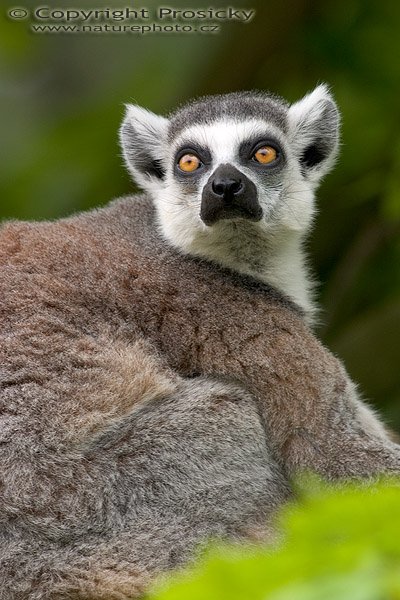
(149, 400)
(233, 179)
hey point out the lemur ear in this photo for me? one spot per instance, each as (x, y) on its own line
(142, 137)
(314, 126)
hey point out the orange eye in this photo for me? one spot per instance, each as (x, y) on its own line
(265, 155)
(189, 163)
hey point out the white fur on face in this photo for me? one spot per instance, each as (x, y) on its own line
(223, 138)
(269, 249)
(287, 205)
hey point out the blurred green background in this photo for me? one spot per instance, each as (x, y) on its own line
(62, 101)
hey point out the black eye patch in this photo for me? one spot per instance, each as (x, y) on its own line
(189, 148)
(248, 148)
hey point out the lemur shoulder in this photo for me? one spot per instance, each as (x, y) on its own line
(153, 395)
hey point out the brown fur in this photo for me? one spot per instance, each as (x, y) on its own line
(101, 319)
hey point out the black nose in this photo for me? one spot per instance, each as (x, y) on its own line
(226, 187)
(229, 194)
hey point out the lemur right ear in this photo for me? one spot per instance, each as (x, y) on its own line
(314, 128)
(142, 137)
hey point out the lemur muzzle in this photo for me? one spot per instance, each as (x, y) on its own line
(229, 194)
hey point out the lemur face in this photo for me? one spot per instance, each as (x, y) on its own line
(241, 161)
(227, 170)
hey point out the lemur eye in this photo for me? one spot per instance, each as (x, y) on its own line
(265, 155)
(189, 163)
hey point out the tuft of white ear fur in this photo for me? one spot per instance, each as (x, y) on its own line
(142, 138)
(309, 108)
(314, 123)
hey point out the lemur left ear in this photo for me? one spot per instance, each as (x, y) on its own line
(314, 127)
(142, 137)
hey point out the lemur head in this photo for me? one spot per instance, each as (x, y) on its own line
(244, 162)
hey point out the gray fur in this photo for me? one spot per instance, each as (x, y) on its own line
(150, 401)
(237, 105)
